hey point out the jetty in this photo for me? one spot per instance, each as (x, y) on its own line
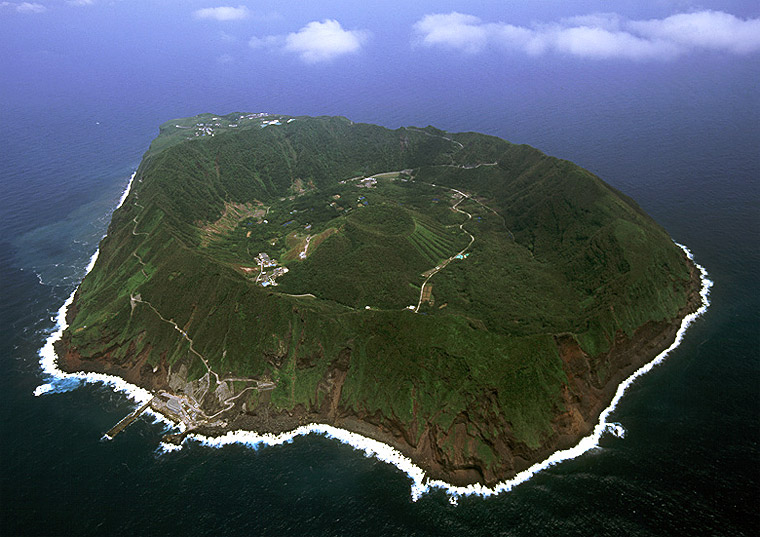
(127, 421)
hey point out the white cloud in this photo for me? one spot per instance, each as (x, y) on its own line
(606, 21)
(24, 7)
(324, 41)
(316, 42)
(596, 36)
(590, 42)
(80, 2)
(453, 30)
(222, 13)
(713, 30)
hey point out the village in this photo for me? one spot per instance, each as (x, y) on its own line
(215, 124)
(264, 278)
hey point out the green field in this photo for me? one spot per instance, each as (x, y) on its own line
(434, 241)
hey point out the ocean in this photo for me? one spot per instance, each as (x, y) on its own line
(681, 139)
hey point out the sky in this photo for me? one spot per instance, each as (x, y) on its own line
(283, 54)
(325, 31)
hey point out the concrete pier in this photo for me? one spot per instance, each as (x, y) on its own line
(126, 422)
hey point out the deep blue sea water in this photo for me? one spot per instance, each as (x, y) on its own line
(683, 140)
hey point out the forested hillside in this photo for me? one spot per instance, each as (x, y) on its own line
(469, 300)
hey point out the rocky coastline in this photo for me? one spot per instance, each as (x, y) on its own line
(584, 396)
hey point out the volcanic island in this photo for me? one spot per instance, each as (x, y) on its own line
(471, 302)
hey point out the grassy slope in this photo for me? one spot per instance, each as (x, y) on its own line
(568, 254)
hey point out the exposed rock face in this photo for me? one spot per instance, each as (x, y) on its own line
(584, 396)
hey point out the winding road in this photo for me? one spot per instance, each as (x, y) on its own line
(228, 403)
(444, 263)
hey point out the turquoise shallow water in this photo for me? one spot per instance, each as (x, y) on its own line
(689, 463)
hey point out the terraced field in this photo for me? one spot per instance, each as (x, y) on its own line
(434, 241)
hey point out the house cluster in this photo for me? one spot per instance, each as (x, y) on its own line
(209, 128)
(265, 122)
(367, 182)
(265, 261)
(206, 129)
(255, 116)
(268, 277)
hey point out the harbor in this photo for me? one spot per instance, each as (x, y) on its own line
(127, 421)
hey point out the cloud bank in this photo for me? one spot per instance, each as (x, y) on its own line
(596, 36)
(222, 13)
(316, 42)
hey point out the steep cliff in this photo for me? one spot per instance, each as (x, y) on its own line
(473, 302)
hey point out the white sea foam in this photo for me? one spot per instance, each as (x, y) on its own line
(615, 429)
(421, 484)
(166, 447)
(58, 380)
(168, 423)
(126, 191)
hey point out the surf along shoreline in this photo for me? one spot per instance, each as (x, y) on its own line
(566, 447)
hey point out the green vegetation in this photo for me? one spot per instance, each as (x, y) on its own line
(556, 251)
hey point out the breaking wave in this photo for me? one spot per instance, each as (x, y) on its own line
(59, 381)
(420, 483)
